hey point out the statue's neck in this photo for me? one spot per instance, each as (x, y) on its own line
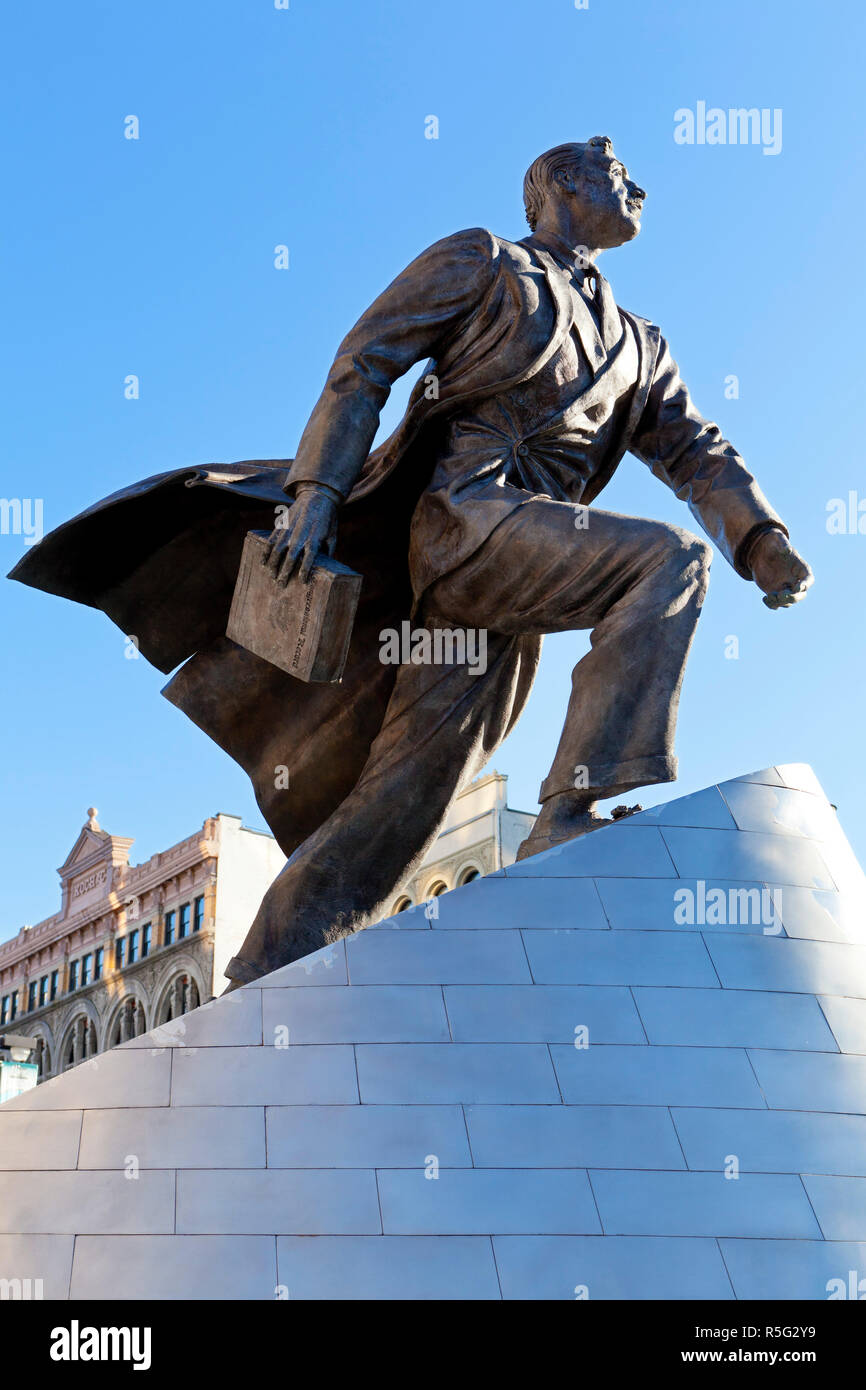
(560, 229)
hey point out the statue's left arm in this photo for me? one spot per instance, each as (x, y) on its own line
(692, 456)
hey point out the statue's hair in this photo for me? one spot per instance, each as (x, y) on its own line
(541, 174)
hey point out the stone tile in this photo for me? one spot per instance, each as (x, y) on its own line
(847, 1018)
(366, 1136)
(613, 958)
(542, 1013)
(801, 777)
(437, 957)
(780, 810)
(324, 967)
(294, 1075)
(705, 809)
(687, 905)
(297, 1201)
(734, 1018)
(443, 1073)
(812, 1081)
(387, 1267)
(175, 1137)
(842, 863)
(38, 1258)
(840, 1206)
(794, 1269)
(418, 917)
(610, 1267)
(85, 1203)
(806, 967)
(503, 903)
(573, 1136)
(812, 915)
(768, 776)
(361, 1013)
(702, 1204)
(773, 1141)
(174, 1267)
(475, 1201)
(105, 1081)
(605, 1075)
(746, 855)
(232, 1021)
(39, 1139)
(613, 851)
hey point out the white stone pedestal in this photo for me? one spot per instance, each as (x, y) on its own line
(635, 1066)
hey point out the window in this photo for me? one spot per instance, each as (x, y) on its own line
(4, 1009)
(181, 996)
(43, 991)
(132, 941)
(55, 984)
(169, 926)
(146, 937)
(198, 914)
(437, 890)
(86, 969)
(184, 922)
(99, 963)
(402, 904)
(31, 996)
(129, 1022)
(73, 975)
(467, 877)
(13, 1011)
(118, 952)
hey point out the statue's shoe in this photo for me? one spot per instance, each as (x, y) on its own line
(537, 844)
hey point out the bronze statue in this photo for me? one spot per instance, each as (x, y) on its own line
(474, 515)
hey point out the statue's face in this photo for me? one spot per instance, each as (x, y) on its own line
(610, 202)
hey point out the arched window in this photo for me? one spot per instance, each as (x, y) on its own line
(467, 877)
(437, 889)
(42, 1058)
(129, 1022)
(401, 905)
(80, 1043)
(181, 998)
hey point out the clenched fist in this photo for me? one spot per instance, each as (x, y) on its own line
(776, 568)
(311, 530)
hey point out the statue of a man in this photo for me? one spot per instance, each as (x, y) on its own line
(474, 515)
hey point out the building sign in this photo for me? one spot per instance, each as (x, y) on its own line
(16, 1078)
(87, 882)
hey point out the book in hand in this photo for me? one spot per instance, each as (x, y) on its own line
(303, 628)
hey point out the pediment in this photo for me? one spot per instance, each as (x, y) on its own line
(90, 845)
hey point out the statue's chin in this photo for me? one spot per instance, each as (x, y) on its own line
(626, 232)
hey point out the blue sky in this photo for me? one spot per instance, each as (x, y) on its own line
(306, 127)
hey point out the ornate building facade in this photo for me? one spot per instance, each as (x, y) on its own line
(132, 946)
(480, 835)
(135, 946)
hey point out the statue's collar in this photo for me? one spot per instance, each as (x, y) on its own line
(568, 257)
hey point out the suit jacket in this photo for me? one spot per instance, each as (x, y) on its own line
(160, 557)
(490, 313)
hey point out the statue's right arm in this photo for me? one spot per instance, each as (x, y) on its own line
(408, 323)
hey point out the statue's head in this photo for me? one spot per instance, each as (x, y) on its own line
(605, 202)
